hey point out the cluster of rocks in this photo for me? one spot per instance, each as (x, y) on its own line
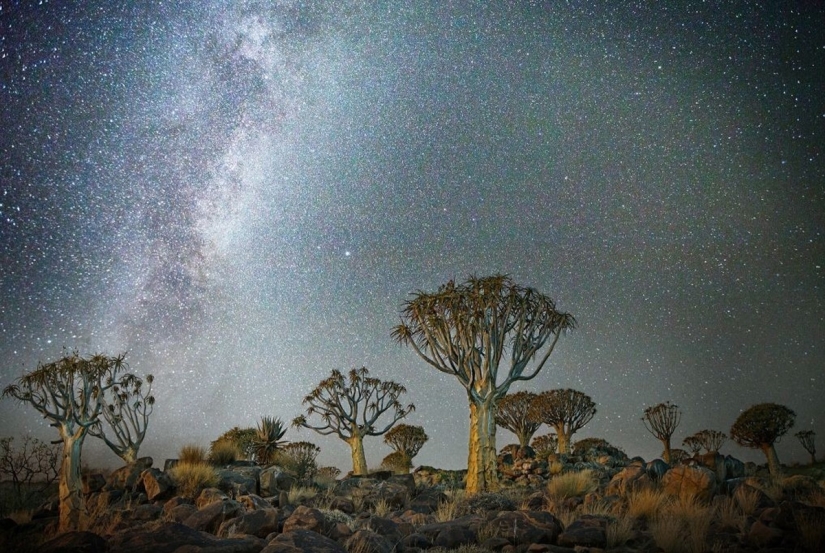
(136, 509)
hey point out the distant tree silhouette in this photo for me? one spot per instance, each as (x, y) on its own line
(808, 440)
(465, 330)
(566, 411)
(711, 440)
(512, 414)
(693, 444)
(69, 393)
(31, 468)
(126, 410)
(661, 420)
(406, 441)
(350, 406)
(760, 427)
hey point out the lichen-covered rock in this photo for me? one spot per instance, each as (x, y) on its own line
(587, 531)
(209, 518)
(632, 478)
(306, 518)
(158, 484)
(520, 527)
(260, 523)
(208, 496)
(686, 481)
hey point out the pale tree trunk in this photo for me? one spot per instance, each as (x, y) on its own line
(72, 506)
(563, 445)
(666, 457)
(773, 460)
(129, 455)
(359, 460)
(482, 472)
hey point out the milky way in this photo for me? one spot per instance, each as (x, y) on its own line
(242, 194)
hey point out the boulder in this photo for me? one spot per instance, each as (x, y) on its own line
(633, 477)
(365, 541)
(209, 518)
(734, 468)
(519, 527)
(235, 482)
(714, 462)
(74, 542)
(208, 496)
(158, 484)
(656, 469)
(486, 502)
(93, 482)
(587, 531)
(297, 541)
(252, 502)
(306, 518)
(274, 480)
(452, 534)
(686, 481)
(165, 538)
(128, 477)
(260, 523)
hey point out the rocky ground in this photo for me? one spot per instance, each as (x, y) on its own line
(598, 501)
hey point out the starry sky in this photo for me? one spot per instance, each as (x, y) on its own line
(242, 195)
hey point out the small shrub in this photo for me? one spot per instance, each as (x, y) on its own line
(298, 459)
(191, 478)
(326, 477)
(572, 484)
(381, 508)
(397, 462)
(449, 509)
(298, 493)
(192, 454)
(728, 513)
(223, 453)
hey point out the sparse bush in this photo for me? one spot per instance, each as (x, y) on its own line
(192, 454)
(298, 458)
(190, 478)
(223, 453)
(398, 462)
(32, 468)
(326, 476)
(241, 438)
(572, 484)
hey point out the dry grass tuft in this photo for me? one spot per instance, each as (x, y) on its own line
(572, 484)
(620, 531)
(748, 500)
(450, 509)
(683, 525)
(645, 503)
(298, 493)
(192, 454)
(811, 526)
(728, 513)
(381, 508)
(223, 453)
(191, 478)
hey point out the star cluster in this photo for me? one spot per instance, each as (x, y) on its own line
(242, 194)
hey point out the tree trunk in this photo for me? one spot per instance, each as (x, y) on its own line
(563, 445)
(773, 461)
(129, 455)
(813, 459)
(482, 472)
(666, 456)
(359, 460)
(71, 485)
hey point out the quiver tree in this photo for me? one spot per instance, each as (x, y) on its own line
(511, 413)
(545, 445)
(661, 420)
(267, 439)
(350, 406)
(693, 444)
(808, 440)
(126, 410)
(566, 411)
(760, 427)
(467, 330)
(711, 440)
(68, 393)
(406, 440)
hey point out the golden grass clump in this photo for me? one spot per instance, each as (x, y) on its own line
(811, 526)
(191, 478)
(645, 503)
(683, 526)
(192, 454)
(572, 484)
(619, 531)
(223, 453)
(451, 508)
(298, 493)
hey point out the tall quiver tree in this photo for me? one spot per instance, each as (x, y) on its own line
(126, 410)
(467, 330)
(567, 411)
(760, 427)
(68, 393)
(350, 406)
(808, 440)
(511, 413)
(661, 420)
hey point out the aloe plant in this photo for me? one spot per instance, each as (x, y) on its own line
(267, 439)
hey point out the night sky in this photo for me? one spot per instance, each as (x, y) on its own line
(241, 195)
